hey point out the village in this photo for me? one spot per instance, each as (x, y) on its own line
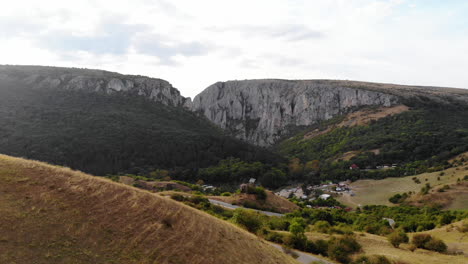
(312, 192)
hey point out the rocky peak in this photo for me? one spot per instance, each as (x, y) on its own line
(262, 111)
(40, 77)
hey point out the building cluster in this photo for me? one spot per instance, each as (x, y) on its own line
(312, 192)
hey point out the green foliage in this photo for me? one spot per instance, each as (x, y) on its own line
(436, 245)
(340, 249)
(398, 198)
(419, 240)
(425, 189)
(250, 220)
(110, 134)
(374, 259)
(396, 238)
(419, 140)
(259, 192)
(296, 229)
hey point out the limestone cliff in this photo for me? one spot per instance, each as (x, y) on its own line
(39, 77)
(262, 111)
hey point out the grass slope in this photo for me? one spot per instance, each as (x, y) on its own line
(50, 214)
(378, 245)
(369, 192)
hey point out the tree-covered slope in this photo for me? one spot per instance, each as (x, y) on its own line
(415, 141)
(102, 133)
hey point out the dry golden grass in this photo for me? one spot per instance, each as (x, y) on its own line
(278, 203)
(378, 245)
(369, 192)
(50, 214)
(359, 118)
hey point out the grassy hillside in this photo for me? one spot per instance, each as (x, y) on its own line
(105, 134)
(50, 214)
(419, 140)
(379, 245)
(368, 192)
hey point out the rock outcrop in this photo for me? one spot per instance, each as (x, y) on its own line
(39, 77)
(263, 111)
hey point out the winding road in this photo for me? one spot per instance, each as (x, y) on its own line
(231, 206)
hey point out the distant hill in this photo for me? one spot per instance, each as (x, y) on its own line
(50, 214)
(108, 131)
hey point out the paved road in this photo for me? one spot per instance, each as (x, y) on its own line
(231, 206)
(305, 258)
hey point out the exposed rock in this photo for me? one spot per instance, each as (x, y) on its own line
(39, 77)
(262, 111)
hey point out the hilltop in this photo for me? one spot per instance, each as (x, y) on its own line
(51, 214)
(85, 119)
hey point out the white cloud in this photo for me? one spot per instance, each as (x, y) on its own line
(193, 44)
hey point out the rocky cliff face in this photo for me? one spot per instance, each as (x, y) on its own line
(39, 77)
(262, 111)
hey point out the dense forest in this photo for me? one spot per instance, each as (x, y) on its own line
(109, 134)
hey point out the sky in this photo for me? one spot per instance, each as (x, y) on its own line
(193, 44)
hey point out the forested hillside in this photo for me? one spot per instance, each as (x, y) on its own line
(419, 140)
(103, 134)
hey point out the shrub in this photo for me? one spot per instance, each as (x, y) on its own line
(340, 249)
(420, 239)
(428, 242)
(296, 241)
(396, 238)
(177, 197)
(259, 192)
(296, 228)
(226, 194)
(322, 226)
(275, 237)
(375, 259)
(436, 245)
(321, 247)
(248, 219)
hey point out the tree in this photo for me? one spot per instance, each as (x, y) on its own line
(296, 229)
(396, 238)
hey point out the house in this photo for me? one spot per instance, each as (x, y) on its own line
(354, 167)
(252, 181)
(324, 196)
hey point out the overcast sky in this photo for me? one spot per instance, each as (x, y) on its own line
(193, 44)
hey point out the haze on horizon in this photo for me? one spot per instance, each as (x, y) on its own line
(193, 44)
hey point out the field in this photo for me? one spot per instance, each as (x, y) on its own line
(50, 214)
(369, 192)
(378, 245)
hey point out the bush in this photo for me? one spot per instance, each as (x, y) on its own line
(340, 249)
(322, 226)
(248, 219)
(296, 241)
(428, 242)
(396, 238)
(275, 237)
(436, 245)
(321, 247)
(259, 192)
(296, 229)
(226, 194)
(419, 240)
(177, 197)
(375, 259)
